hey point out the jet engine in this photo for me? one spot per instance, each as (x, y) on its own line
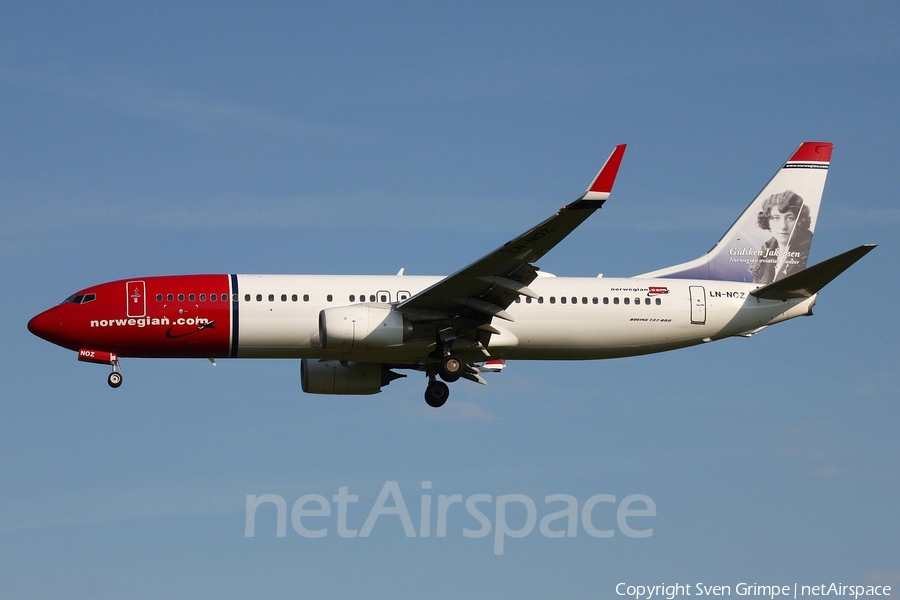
(336, 377)
(362, 327)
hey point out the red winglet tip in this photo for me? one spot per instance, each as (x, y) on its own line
(813, 151)
(607, 175)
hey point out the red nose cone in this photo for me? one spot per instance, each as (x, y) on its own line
(48, 325)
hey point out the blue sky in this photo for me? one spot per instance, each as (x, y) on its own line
(358, 138)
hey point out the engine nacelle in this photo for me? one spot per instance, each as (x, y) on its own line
(335, 377)
(362, 327)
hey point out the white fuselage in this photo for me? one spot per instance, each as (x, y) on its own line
(573, 318)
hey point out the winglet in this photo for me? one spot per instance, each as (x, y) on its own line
(602, 185)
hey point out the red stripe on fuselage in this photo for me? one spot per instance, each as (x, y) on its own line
(181, 316)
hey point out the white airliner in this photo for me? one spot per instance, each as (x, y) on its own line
(353, 332)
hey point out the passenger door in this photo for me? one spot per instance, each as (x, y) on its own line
(137, 299)
(698, 304)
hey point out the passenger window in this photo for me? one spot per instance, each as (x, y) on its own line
(616, 300)
(574, 300)
(383, 298)
(552, 299)
(306, 297)
(562, 299)
(284, 297)
(527, 299)
(605, 300)
(540, 299)
(637, 301)
(352, 298)
(259, 297)
(212, 297)
(159, 297)
(202, 297)
(170, 297)
(627, 300)
(329, 297)
(658, 301)
(371, 297)
(294, 298)
(595, 300)
(584, 300)
(647, 301)
(191, 297)
(518, 299)
(181, 297)
(271, 297)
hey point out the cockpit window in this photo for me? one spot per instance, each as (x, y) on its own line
(80, 298)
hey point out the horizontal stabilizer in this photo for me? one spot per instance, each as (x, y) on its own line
(809, 281)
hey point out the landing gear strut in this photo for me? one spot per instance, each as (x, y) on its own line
(436, 393)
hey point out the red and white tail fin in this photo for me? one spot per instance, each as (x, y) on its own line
(771, 239)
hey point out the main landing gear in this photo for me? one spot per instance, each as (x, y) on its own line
(450, 369)
(436, 393)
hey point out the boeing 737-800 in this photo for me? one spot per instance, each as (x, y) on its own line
(352, 333)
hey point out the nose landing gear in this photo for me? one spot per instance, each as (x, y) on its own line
(115, 378)
(101, 357)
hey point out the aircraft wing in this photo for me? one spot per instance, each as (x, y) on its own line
(810, 280)
(485, 288)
